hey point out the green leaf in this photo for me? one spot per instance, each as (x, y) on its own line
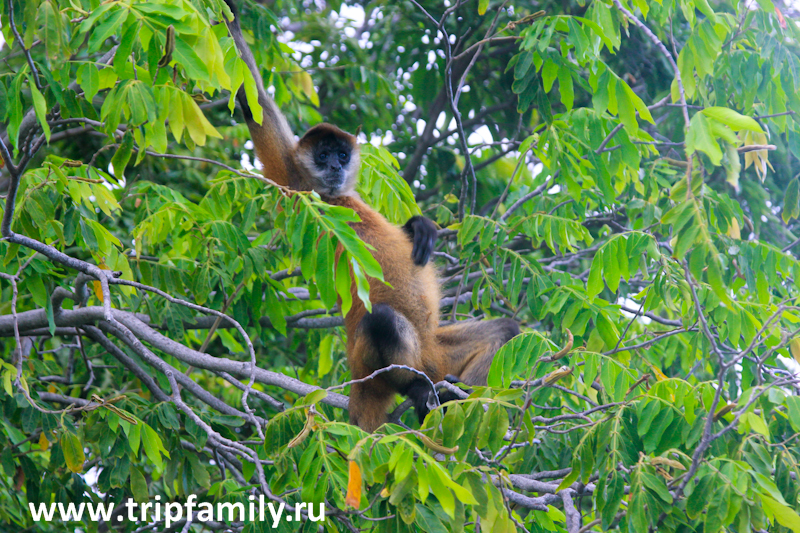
(89, 80)
(158, 8)
(608, 332)
(791, 202)
(275, 309)
(107, 28)
(627, 111)
(698, 499)
(756, 423)
(647, 415)
(312, 397)
(637, 518)
(615, 492)
(72, 449)
(638, 103)
(600, 97)
(324, 276)
(343, 284)
(570, 478)
(40, 106)
(452, 425)
(251, 91)
(95, 15)
(714, 273)
(785, 515)
(196, 123)
(439, 482)
(52, 30)
(185, 55)
(139, 486)
(793, 410)
(122, 55)
(549, 74)
(656, 484)
(4, 103)
(706, 10)
(199, 472)
(153, 446)
(686, 239)
(733, 166)
(325, 362)
(523, 65)
(104, 199)
(611, 271)
(427, 520)
(424, 485)
(731, 118)
(142, 105)
(483, 5)
(594, 284)
(134, 438)
(51, 321)
(38, 291)
(565, 87)
(362, 285)
(699, 138)
(652, 438)
(122, 155)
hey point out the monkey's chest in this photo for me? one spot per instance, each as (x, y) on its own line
(412, 289)
(391, 248)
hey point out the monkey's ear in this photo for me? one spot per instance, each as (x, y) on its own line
(358, 130)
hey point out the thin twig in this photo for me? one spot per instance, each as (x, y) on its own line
(21, 42)
(652, 36)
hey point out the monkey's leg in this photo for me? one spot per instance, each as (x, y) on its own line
(386, 337)
(469, 347)
(369, 402)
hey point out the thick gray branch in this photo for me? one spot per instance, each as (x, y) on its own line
(37, 319)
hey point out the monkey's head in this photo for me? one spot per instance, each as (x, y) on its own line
(331, 159)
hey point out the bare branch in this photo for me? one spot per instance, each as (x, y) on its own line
(21, 43)
(573, 515)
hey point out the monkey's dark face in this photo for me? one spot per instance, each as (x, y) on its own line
(331, 158)
(332, 163)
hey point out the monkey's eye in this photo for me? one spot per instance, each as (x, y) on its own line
(343, 156)
(323, 156)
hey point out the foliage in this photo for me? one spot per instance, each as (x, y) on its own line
(619, 178)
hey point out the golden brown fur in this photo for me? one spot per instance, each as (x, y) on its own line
(414, 294)
(403, 327)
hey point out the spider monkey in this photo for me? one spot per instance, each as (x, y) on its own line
(403, 327)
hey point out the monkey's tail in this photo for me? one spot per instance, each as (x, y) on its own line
(235, 30)
(273, 139)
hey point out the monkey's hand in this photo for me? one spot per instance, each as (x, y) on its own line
(422, 233)
(425, 401)
(446, 394)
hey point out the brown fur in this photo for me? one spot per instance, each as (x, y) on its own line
(414, 294)
(465, 349)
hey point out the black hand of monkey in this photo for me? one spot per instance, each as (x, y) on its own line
(422, 233)
(423, 397)
(447, 395)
